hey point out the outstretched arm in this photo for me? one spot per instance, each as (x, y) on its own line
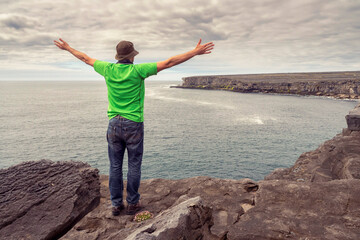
(198, 50)
(82, 56)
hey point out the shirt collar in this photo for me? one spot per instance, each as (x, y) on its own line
(125, 61)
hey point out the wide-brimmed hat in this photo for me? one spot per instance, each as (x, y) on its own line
(125, 50)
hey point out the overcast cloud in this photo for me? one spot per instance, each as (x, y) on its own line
(250, 36)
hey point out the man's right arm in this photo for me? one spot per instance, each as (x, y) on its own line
(198, 50)
(80, 55)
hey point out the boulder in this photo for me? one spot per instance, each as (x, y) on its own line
(187, 220)
(353, 119)
(44, 199)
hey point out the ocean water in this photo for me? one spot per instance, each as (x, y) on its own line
(187, 132)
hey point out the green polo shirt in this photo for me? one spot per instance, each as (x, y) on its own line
(126, 88)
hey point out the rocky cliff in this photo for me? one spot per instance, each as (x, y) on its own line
(332, 84)
(317, 198)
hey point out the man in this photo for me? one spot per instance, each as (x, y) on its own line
(126, 91)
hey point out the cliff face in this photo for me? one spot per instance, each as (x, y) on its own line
(338, 158)
(333, 84)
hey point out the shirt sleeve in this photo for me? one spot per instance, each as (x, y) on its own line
(146, 69)
(100, 66)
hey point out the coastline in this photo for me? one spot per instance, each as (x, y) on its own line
(325, 183)
(340, 85)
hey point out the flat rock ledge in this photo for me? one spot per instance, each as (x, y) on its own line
(209, 208)
(203, 206)
(44, 199)
(317, 198)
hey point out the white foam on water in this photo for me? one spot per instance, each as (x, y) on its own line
(203, 103)
(252, 120)
(167, 86)
(151, 93)
(160, 97)
(211, 104)
(258, 120)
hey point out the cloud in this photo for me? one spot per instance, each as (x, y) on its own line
(16, 22)
(250, 36)
(21, 32)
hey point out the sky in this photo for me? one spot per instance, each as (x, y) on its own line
(264, 36)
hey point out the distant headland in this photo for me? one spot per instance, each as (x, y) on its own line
(342, 85)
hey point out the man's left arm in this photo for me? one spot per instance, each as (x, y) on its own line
(82, 56)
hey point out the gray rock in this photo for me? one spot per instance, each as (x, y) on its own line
(187, 220)
(229, 209)
(274, 209)
(338, 158)
(291, 210)
(353, 119)
(227, 199)
(44, 199)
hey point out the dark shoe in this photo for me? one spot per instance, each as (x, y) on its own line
(116, 210)
(133, 208)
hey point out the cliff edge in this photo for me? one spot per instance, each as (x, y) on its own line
(343, 85)
(317, 198)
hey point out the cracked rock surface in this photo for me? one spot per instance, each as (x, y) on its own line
(292, 210)
(317, 198)
(189, 219)
(223, 202)
(338, 158)
(44, 199)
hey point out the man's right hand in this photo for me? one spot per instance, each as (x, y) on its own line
(62, 44)
(82, 56)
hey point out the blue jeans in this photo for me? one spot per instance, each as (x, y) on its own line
(124, 134)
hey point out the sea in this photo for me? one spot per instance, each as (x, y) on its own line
(188, 132)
